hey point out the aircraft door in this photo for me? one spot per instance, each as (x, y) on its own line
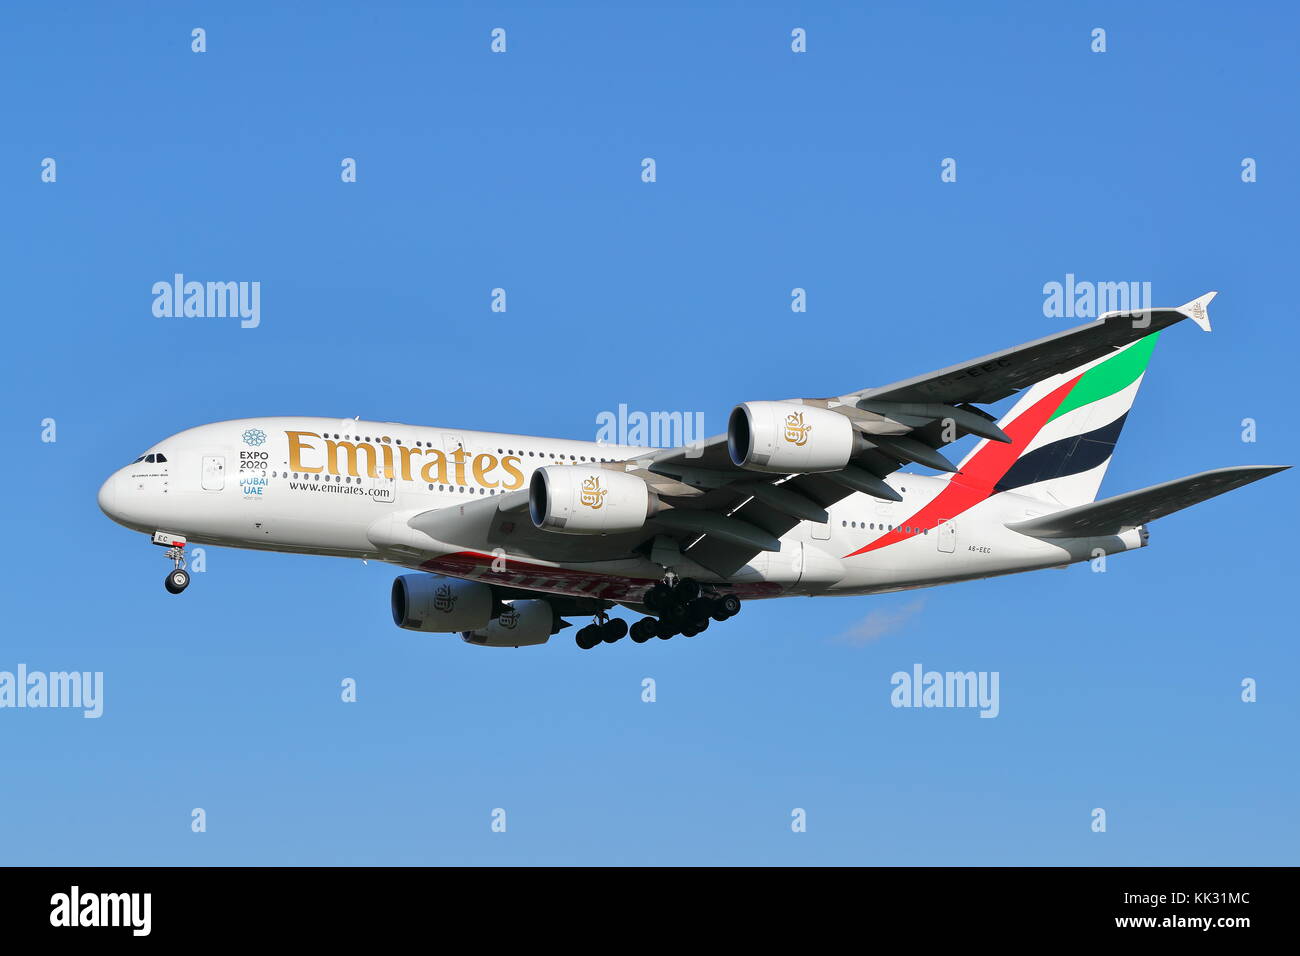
(947, 539)
(382, 486)
(382, 489)
(454, 446)
(214, 472)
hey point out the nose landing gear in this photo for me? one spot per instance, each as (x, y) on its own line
(178, 579)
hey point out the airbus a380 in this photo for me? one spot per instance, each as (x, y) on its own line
(509, 535)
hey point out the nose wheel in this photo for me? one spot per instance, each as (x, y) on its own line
(178, 579)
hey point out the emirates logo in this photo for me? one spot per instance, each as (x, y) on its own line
(444, 599)
(592, 495)
(796, 429)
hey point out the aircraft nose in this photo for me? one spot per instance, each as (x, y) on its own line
(108, 496)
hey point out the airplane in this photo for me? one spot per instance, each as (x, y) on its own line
(508, 535)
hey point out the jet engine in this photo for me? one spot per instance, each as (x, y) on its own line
(787, 438)
(522, 624)
(427, 602)
(577, 500)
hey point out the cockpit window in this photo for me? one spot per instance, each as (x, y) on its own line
(161, 458)
(150, 459)
(138, 460)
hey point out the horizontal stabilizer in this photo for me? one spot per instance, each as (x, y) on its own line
(1134, 508)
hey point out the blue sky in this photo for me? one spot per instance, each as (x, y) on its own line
(521, 170)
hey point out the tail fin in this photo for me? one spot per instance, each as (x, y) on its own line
(1063, 431)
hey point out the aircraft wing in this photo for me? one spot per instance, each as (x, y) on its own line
(993, 377)
(1134, 508)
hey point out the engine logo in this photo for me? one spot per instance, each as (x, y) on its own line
(444, 599)
(796, 430)
(592, 495)
(509, 619)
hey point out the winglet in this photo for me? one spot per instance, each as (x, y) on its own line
(1198, 310)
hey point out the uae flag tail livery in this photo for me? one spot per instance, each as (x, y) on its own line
(1063, 431)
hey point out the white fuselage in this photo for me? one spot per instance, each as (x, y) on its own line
(346, 488)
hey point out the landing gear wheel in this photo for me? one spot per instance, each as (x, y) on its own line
(643, 630)
(687, 590)
(658, 597)
(615, 629)
(587, 637)
(728, 606)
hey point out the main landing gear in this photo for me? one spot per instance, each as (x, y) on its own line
(605, 628)
(178, 579)
(681, 608)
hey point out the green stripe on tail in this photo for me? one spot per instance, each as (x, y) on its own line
(1111, 376)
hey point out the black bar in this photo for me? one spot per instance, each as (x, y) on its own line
(328, 904)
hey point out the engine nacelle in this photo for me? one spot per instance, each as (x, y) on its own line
(522, 624)
(427, 602)
(786, 438)
(577, 500)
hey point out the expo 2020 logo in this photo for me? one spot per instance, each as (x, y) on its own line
(254, 436)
